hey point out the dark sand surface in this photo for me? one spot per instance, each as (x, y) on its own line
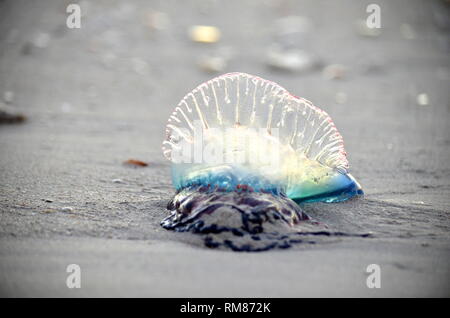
(99, 95)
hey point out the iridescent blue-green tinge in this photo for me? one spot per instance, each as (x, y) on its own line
(338, 187)
(332, 186)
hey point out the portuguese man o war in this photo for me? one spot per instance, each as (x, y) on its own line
(245, 153)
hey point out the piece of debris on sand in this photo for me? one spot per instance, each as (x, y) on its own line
(10, 116)
(135, 163)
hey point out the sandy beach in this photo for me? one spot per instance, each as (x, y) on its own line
(97, 96)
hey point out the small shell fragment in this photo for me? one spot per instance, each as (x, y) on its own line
(292, 60)
(422, 99)
(212, 64)
(334, 71)
(204, 34)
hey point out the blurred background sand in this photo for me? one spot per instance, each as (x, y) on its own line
(96, 96)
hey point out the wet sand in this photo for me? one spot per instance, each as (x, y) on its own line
(97, 96)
